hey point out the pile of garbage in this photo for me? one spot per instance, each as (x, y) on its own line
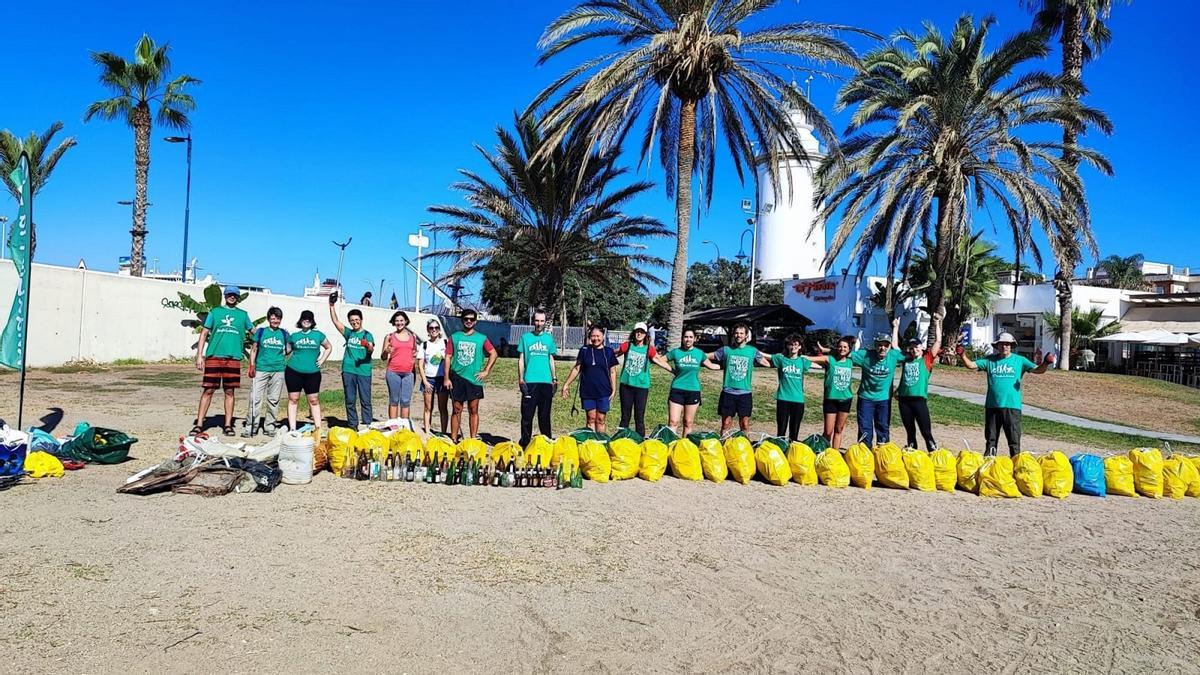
(37, 454)
(212, 468)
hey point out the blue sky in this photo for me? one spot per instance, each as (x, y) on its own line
(321, 121)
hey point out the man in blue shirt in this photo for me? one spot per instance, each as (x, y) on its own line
(596, 368)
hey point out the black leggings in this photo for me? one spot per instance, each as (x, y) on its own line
(633, 400)
(787, 419)
(914, 412)
(1007, 420)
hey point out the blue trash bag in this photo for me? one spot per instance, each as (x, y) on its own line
(1089, 475)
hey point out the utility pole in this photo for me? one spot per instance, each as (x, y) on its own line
(421, 242)
(341, 257)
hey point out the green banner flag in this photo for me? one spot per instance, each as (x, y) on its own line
(12, 341)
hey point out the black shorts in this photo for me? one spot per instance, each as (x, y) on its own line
(830, 407)
(463, 390)
(735, 405)
(436, 385)
(684, 397)
(298, 382)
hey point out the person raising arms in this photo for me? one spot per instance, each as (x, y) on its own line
(356, 364)
(878, 368)
(912, 394)
(1002, 407)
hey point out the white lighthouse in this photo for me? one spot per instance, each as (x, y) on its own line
(787, 245)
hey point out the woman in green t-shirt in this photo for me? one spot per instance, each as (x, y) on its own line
(637, 355)
(912, 394)
(684, 364)
(790, 367)
(308, 349)
(839, 370)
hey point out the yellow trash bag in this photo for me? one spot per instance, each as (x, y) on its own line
(473, 448)
(1058, 478)
(39, 464)
(654, 460)
(406, 443)
(712, 460)
(372, 442)
(1028, 474)
(889, 466)
(626, 456)
(1178, 473)
(832, 470)
(1147, 472)
(1118, 476)
(437, 447)
(771, 463)
(921, 474)
(861, 463)
(341, 448)
(565, 451)
(996, 478)
(685, 460)
(739, 457)
(945, 469)
(968, 470)
(505, 452)
(803, 463)
(539, 452)
(1190, 474)
(594, 461)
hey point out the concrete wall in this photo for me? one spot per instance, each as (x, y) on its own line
(101, 316)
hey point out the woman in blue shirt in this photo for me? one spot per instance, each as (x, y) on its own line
(596, 368)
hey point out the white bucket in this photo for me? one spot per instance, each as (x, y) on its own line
(296, 459)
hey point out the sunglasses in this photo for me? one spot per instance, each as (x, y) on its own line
(433, 327)
(469, 320)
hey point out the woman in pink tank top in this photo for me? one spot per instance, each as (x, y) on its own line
(400, 350)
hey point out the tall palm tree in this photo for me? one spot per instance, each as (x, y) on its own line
(1124, 272)
(137, 86)
(934, 137)
(1080, 25)
(695, 73)
(555, 215)
(41, 163)
(972, 280)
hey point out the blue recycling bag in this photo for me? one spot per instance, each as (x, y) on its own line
(1089, 475)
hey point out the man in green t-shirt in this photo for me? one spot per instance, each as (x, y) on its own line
(1002, 407)
(356, 364)
(266, 373)
(878, 369)
(467, 372)
(219, 356)
(737, 391)
(536, 377)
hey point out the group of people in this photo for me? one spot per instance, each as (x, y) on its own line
(454, 369)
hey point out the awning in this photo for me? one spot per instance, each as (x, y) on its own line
(1149, 337)
(757, 315)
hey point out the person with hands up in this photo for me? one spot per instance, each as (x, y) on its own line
(1002, 407)
(356, 363)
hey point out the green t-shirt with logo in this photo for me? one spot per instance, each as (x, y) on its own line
(635, 372)
(877, 373)
(357, 359)
(687, 364)
(539, 351)
(914, 378)
(739, 368)
(271, 344)
(469, 352)
(838, 376)
(306, 347)
(1004, 379)
(791, 377)
(227, 328)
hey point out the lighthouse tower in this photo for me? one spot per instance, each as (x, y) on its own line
(788, 246)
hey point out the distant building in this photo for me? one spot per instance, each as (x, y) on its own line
(1164, 278)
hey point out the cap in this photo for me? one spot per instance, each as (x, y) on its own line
(641, 325)
(1005, 337)
(914, 342)
(232, 290)
(884, 338)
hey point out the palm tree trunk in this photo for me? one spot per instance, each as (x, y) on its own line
(1072, 66)
(141, 176)
(683, 215)
(936, 296)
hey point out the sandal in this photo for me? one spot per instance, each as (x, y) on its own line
(228, 431)
(197, 430)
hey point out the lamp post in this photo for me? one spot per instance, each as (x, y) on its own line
(4, 244)
(714, 245)
(187, 200)
(421, 242)
(753, 222)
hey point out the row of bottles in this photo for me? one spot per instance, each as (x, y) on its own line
(441, 469)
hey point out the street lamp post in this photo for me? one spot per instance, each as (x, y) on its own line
(421, 242)
(187, 200)
(714, 245)
(753, 222)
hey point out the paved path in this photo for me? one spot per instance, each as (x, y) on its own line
(1042, 413)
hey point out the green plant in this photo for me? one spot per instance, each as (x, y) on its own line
(1087, 325)
(1124, 272)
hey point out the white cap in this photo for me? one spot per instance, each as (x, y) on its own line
(1005, 337)
(641, 325)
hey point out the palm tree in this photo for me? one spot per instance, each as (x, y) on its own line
(934, 138)
(136, 86)
(972, 280)
(1124, 272)
(1080, 25)
(695, 73)
(556, 216)
(1087, 326)
(41, 163)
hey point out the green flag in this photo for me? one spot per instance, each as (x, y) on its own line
(12, 341)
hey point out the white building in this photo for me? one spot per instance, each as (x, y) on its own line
(789, 242)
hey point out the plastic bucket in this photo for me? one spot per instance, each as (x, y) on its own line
(296, 459)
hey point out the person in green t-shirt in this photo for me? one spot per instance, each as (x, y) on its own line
(308, 349)
(356, 364)
(684, 364)
(266, 373)
(737, 391)
(536, 377)
(634, 389)
(790, 367)
(1002, 407)
(839, 373)
(878, 368)
(219, 356)
(913, 391)
(466, 350)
